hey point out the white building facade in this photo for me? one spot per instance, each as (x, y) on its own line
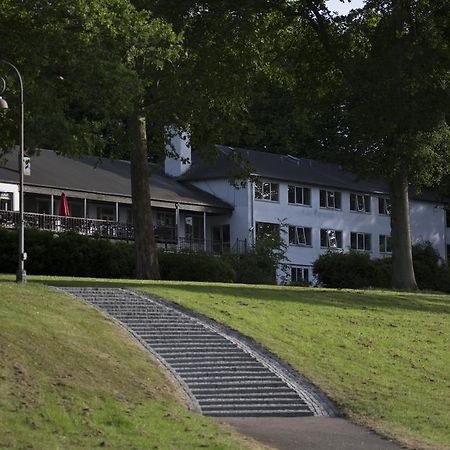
(315, 207)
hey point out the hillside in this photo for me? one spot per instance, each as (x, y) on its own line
(69, 378)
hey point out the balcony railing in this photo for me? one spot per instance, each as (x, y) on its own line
(89, 227)
(166, 237)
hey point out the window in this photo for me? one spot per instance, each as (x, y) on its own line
(360, 241)
(299, 274)
(330, 199)
(6, 201)
(193, 227)
(164, 226)
(360, 203)
(43, 206)
(299, 195)
(267, 230)
(299, 235)
(265, 190)
(384, 206)
(330, 238)
(385, 244)
(76, 208)
(106, 213)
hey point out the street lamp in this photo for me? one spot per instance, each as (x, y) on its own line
(21, 274)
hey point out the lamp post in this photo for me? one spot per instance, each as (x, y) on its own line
(21, 274)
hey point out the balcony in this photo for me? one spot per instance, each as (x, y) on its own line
(166, 237)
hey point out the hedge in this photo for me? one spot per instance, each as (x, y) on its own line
(356, 270)
(71, 254)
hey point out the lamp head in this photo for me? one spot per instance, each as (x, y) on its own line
(3, 103)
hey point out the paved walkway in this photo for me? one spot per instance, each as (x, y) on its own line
(310, 433)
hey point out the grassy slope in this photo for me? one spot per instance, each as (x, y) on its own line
(70, 378)
(383, 356)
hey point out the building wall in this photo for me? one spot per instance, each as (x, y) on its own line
(241, 219)
(427, 219)
(13, 189)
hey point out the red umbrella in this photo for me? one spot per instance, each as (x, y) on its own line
(64, 206)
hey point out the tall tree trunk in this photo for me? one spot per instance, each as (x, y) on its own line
(402, 264)
(147, 267)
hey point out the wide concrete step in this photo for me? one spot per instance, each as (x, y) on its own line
(194, 347)
(186, 340)
(256, 400)
(238, 377)
(259, 413)
(274, 394)
(213, 372)
(238, 390)
(254, 407)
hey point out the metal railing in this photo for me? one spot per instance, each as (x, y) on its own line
(166, 237)
(89, 227)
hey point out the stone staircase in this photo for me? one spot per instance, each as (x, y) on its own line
(222, 376)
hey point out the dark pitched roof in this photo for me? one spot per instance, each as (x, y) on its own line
(287, 168)
(283, 168)
(101, 176)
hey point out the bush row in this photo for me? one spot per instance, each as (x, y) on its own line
(356, 270)
(71, 254)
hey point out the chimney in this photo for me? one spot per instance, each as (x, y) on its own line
(178, 155)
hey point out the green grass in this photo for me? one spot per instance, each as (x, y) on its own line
(72, 379)
(383, 356)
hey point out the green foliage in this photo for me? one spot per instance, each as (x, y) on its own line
(348, 270)
(356, 270)
(195, 266)
(67, 254)
(71, 254)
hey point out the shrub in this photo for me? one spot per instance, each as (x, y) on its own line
(344, 270)
(357, 270)
(67, 254)
(195, 266)
(72, 254)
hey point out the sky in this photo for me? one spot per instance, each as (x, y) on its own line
(344, 8)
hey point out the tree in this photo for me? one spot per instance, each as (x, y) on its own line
(394, 60)
(381, 98)
(108, 77)
(90, 68)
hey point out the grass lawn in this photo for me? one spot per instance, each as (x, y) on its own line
(71, 379)
(383, 356)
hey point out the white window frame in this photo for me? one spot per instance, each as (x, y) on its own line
(301, 231)
(384, 242)
(384, 206)
(296, 200)
(267, 195)
(331, 234)
(362, 201)
(330, 194)
(276, 229)
(303, 270)
(366, 237)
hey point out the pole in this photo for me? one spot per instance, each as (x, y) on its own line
(21, 274)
